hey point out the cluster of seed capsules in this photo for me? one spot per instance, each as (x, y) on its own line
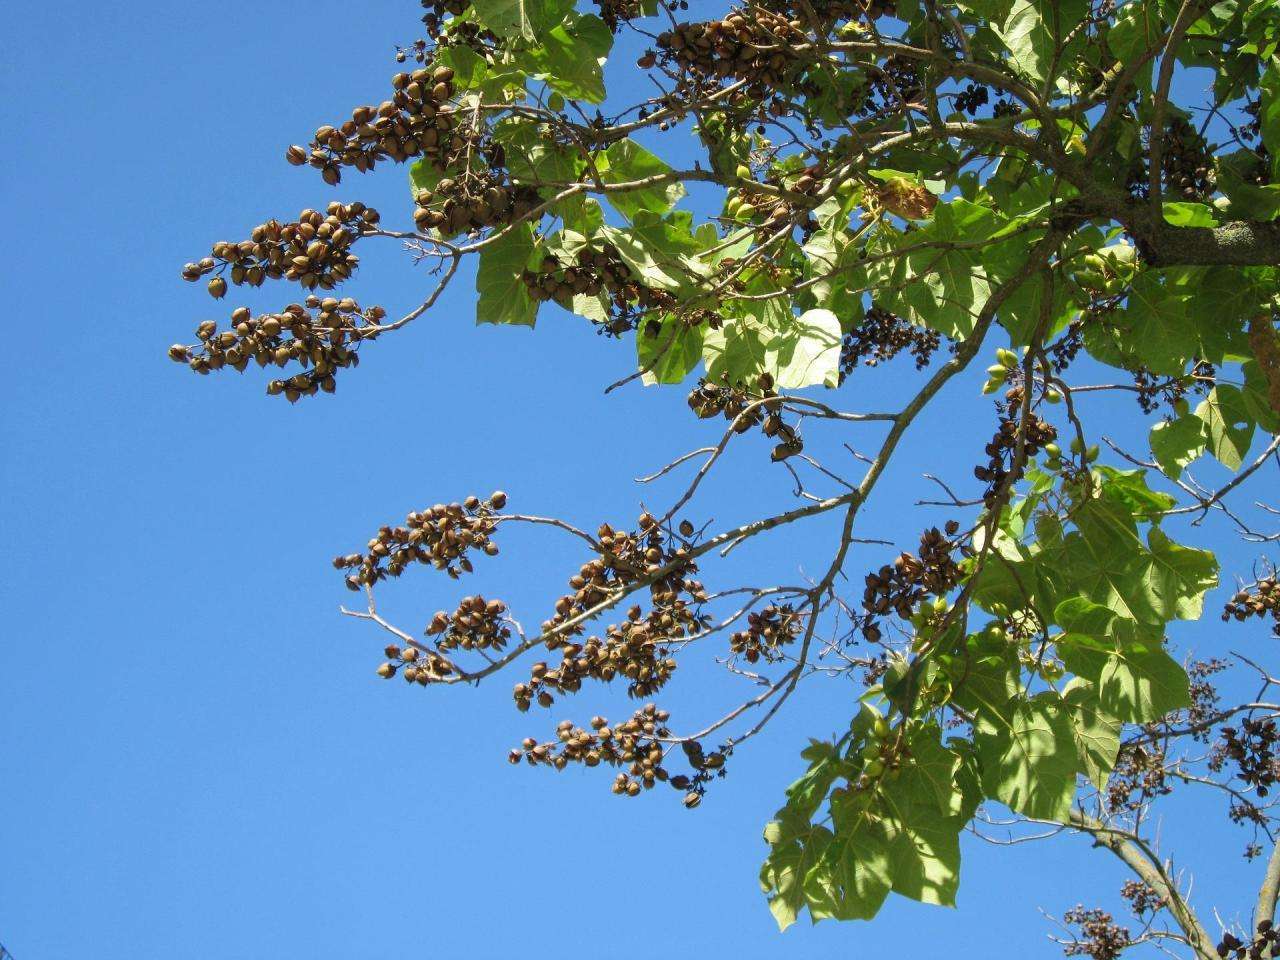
(415, 664)
(1264, 945)
(1253, 750)
(615, 13)
(1002, 450)
(441, 536)
(314, 251)
(1101, 938)
(1142, 898)
(767, 632)
(438, 12)
(745, 408)
(1262, 601)
(1187, 161)
(763, 49)
(899, 587)
(1139, 776)
(638, 648)
(418, 120)
(636, 744)
(883, 335)
(592, 273)
(477, 624)
(321, 336)
(472, 201)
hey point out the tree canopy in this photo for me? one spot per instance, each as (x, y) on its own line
(772, 198)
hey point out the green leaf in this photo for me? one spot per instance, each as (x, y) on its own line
(1034, 30)
(1097, 733)
(1182, 214)
(668, 353)
(984, 675)
(806, 351)
(662, 252)
(570, 58)
(1029, 758)
(503, 295)
(1269, 114)
(1129, 489)
(1136, 679)
(529, 19)
(1106, 562)
(924, 847)
(1178, 443)
(626, 161)
(1256, 400)
(1228, 425)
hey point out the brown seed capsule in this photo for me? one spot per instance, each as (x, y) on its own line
(217, 288)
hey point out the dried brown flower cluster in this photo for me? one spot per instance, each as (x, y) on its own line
(441, 536)
(314, 250)
(639, 648)
(322, 337)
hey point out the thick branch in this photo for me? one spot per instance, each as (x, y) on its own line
(1240, 243)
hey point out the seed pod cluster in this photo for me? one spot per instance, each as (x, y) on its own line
(633, 744)
(1003, 448)
(438, 12)
(477, 624)
(441, 536)
(1100, 937)
(415, 664)
(418, 120)
(743, 408)
(1142, 898)
(638, 648)
(1139, 776)
(759, 47)
(972, 98)
(1187, 162)
(883, 335)
(591, 273)
(1265, 944)
(615, 13)
(767, 631)
(1253, 750)
(1263, 600)
(314, 250)
(899, 587)
(472, 201)
(322, 337)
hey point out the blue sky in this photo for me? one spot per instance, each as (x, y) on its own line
(196, 759)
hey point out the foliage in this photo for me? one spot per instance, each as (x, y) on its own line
(1014, 176)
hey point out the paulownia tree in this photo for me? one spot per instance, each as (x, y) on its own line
(1046, 184)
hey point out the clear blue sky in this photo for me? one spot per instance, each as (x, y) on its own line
(196, 759)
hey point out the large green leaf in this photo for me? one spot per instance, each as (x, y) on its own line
(1029, 758)
(1135, 678)
(1109, 565)
(626, 162)
(1097, 733)
(1228, 425)
(1034, 32)
(1178, 443)
(503, 295)
(570, 58)
(668, 349)
(1269, 114)
(529, 19)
